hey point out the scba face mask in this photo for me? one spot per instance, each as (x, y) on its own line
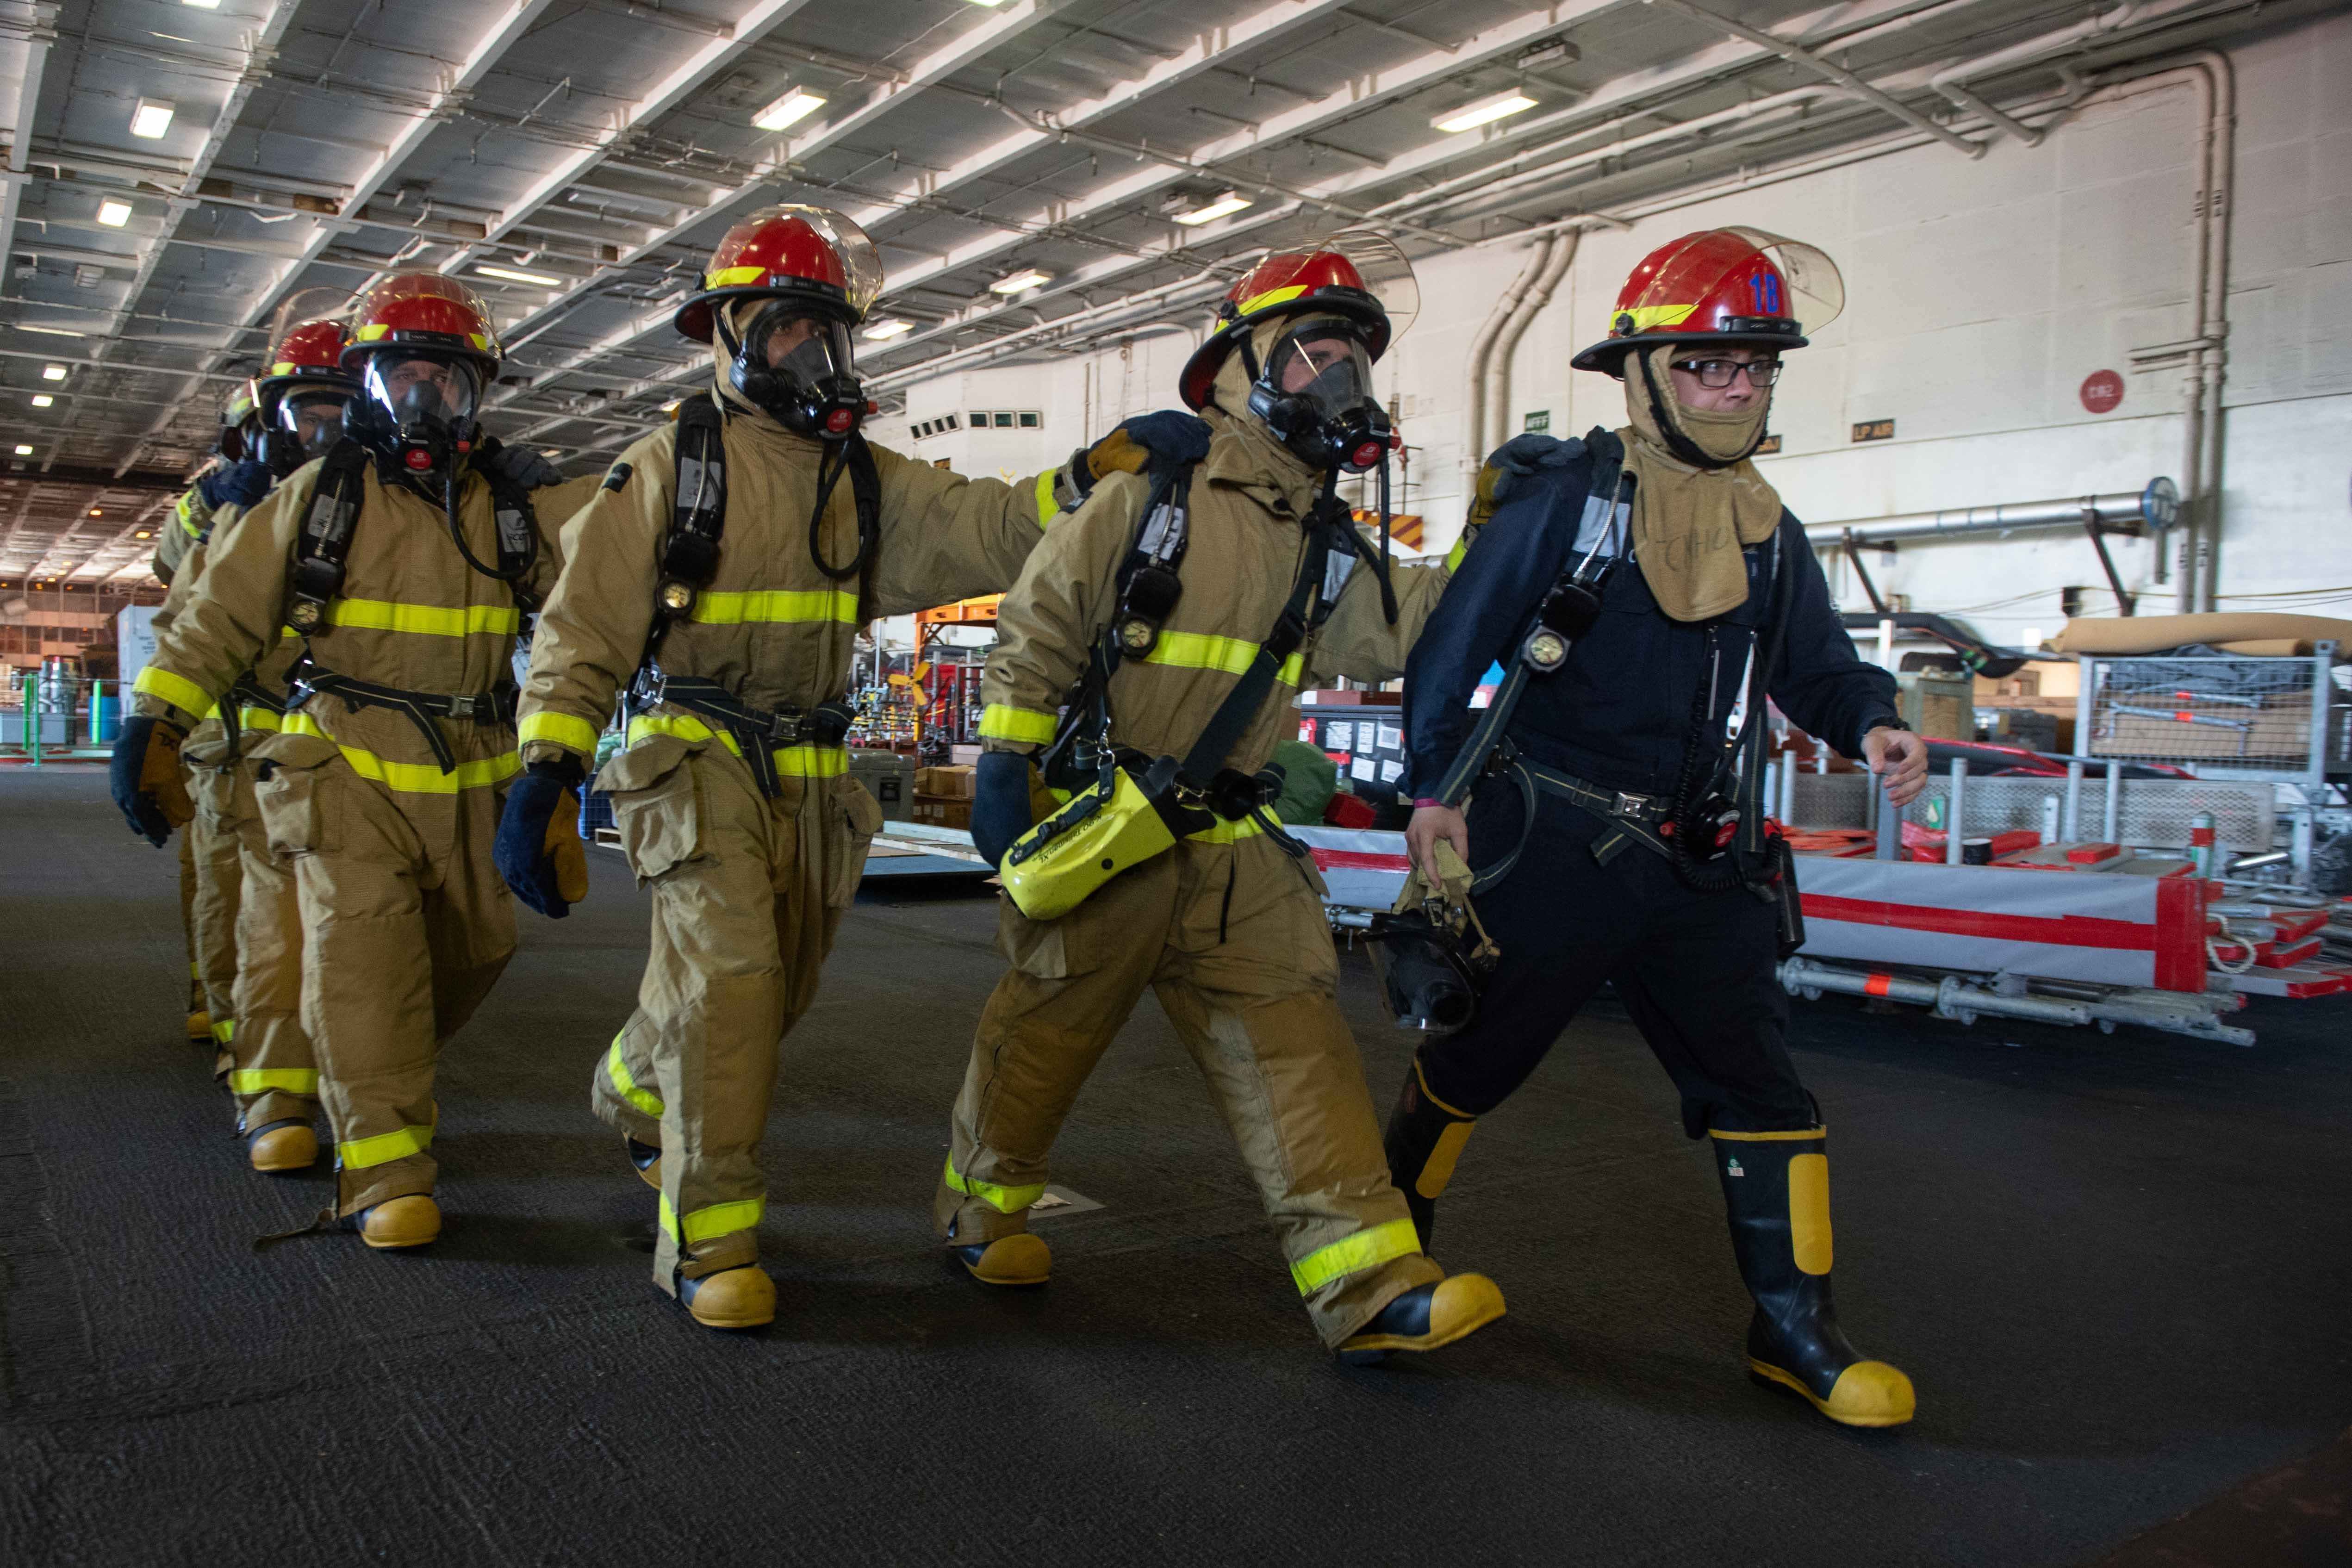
(797, 367)
(1314, 393)
(309, 422)
(423, 407)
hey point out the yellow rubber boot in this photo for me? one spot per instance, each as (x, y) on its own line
(200, 1026)
(1020, 1258)
(1776, 1189)
(287, 1145)
(742, 1297)
(412, 1221)
(1426, 1317)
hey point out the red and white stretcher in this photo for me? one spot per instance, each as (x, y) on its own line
(2102, 946)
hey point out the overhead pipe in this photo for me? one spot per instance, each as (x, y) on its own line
(38, 39)
(2148, 511)
(1557, 254)
(1482, 345)
(1798, 55)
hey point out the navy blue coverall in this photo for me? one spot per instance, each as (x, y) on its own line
(1695, 969)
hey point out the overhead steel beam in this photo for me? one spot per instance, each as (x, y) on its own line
(1412, 76)
(503, 35)
(38, 39)
(939, 64)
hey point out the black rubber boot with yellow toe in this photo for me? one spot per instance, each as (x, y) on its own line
(287, 1145)
(1019, 1259)
(742, 1297)
(411, 1221)
(1425, 1319)
(1424, 1140)
(1776, 1187)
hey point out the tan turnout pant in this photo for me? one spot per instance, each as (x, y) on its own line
(404, 928)
(213, 911)
(1232, 940)
(747, 894)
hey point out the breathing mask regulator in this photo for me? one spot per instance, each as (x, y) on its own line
(416, 411)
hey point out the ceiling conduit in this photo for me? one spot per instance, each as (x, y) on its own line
(1473, 390)
(1556, 255)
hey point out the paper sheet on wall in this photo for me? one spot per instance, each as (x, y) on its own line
(1361, 768)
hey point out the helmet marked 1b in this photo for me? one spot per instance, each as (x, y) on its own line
(424, 351)
(1353, 293)
(784, 289)
(1731, 287)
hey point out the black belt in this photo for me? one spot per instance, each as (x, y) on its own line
(757, 731)
(495, 706)
(1636, 818)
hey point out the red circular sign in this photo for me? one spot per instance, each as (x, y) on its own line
(2101, 391)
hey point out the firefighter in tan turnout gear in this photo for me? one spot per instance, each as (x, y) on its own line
(208, 864)
(248, 929)
(716, 584)
(1168, 620)
(405, 558)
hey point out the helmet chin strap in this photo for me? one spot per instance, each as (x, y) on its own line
(1670, 424)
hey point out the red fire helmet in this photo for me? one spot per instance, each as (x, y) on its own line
(1355, 273)
(311, 354)
(811, 254)
(1727, 286)
(424, 312)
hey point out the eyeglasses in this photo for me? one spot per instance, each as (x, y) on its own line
(1718, 373)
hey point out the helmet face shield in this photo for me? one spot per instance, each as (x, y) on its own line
(795, 364)
(1314, 393)
(428, 394)
(312, 414)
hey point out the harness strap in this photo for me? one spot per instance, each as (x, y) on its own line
(495, 706)
(757, 731)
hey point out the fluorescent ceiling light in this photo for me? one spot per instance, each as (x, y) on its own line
(53, 332)
(887, 328)
(42, 400)
(1486, 112)
(788, 111)
(23, 451)
(550, 453)
(151, 119)
(511, 276)
(114, 214)
(202, 4)
(53, 372)
(992, 4)
(1021, 283)
(1227, 203)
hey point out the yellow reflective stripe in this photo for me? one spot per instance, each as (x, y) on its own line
(1454, 556)
(187, 523)
(616, 1070)
(1808, 1133)
(730, 277)
(1362, 1250)
(1048, 507)
(1002, 722)
(1648, 316)
(809, 761)
(285, 1081)
(414, 778)
(1003, 1200)
(1200, 650)
(718, 1219)
(558, 729)
(259, 719)
(211, 713)
(1223, 832)
(224, 1030)
(785, 606)
(372, 331)
(430, 620)
(1256, 302)
(383, 1148)
(178, 690)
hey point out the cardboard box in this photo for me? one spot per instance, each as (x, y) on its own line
(1940, 707)
(940, 813)
(964, 756)
(946, 784)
